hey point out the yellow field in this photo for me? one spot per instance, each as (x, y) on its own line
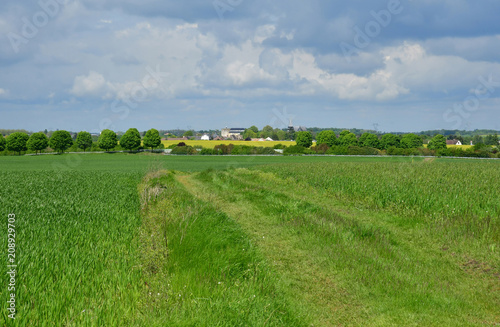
(212, 144)
(465, 147)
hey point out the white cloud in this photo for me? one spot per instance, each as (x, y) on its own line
(94, 84)
(3, 92)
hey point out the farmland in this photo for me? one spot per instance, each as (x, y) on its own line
(212, 144)
(135, 239)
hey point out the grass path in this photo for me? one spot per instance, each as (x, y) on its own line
(304, 280)
(347, 265)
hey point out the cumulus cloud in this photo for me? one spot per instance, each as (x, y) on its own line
(92, 84)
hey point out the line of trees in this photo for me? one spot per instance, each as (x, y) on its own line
(327, 142)
(61, 141)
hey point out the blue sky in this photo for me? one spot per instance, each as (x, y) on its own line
(205, 64)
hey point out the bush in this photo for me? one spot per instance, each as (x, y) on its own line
(242, 149)
(338, 150)
(223, 149)
(321, 148)
(206, 152)
(185, 150)
(264, 150)
(279, 146)
(294, 149)
(362, 151)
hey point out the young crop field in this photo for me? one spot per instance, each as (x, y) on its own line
(154, 240)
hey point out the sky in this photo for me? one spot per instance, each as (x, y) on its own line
(387, 65)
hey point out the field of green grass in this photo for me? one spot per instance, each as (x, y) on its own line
(154, 240)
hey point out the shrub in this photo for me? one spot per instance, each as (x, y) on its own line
(321, 148)
(264, 150)
(206, 152)
(294, 149)
(185, 150)
(338, 150)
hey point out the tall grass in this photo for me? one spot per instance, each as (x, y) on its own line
(460, 194)
(200, 267)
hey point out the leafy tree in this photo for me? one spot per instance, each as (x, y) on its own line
(303, 139)
(267, 131)
(84, 140)
(477, 139)
(38, 142)
(152, 139)
(249, 133)
(2, 143)
(348, 139)
(60, 141)
(438, 142)
(131, 140)
(344, 133)
(254, 129)
(186, 133)
(281, 135)
(491, 139)
(107, 140)
(389, 140)
(410, 141)
(326, 137)
(369, 140)
(17, 142)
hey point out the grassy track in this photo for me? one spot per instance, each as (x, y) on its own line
(200, 267)
(353, 266)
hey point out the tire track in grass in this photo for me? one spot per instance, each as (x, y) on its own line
(301, 278)
(395, 273)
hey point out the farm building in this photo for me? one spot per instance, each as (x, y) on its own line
(205, 137)
(453, 142)
(228, 132)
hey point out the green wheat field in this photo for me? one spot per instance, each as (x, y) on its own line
(155, 240)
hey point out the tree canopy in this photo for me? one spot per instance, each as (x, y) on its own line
(84, 140)
(152, 139)
(303, 139)
(107, 140)
(409, 141)
(369, 140)
(2, 143)
(254, 128)
(389, 140)
(131, 140)
(60, 141)
(347, 139)
(438, 142)
(326, 137)
(38, 142)
(17, 142)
